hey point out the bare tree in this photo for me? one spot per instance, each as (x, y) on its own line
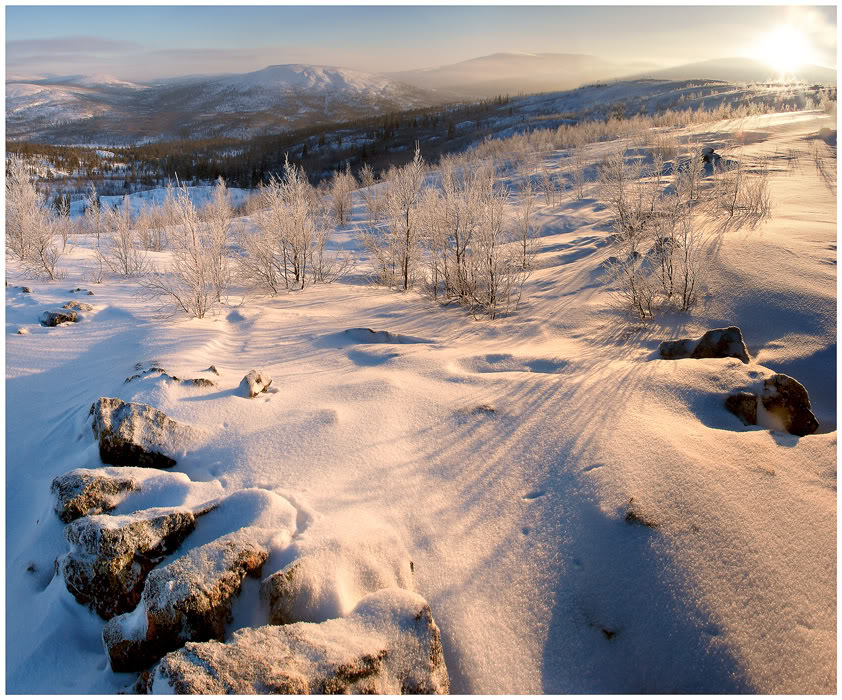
(527, 232)
(119, 248)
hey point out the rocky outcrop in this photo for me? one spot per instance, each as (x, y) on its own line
(54, 318)
(389, 644)
(134, 434)
(718, 342)
(110, 556)
(787, 400)
(255, 383)
(783, 398)
(89, 492)
(77, 305)
(187, 600)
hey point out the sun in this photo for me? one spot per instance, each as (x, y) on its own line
(784, 48)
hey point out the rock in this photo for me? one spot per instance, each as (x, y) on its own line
(160, 371)
(90, 293)
(187, 600)
(788, 400)
(23, 331)
(132, 434)
(111, 555)
(89, 492)
(26, 290)
(743, 404)
(334, 571)
(389, 644)
(255, 383)
(212, 369)
(200, 382)
(718, 342)
(54, 318)
(78, 305)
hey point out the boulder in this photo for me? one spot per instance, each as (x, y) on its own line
(212, 369)
(718, 342)
(187, 600)
(788, 400)
(89, 492)
(54, 318)
(389, 644)
(255, 383)
(77, 305)
(743, 404)
(26, 290)
(111, 555)
(132, 434)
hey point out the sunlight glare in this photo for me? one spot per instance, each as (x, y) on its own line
(784, 48)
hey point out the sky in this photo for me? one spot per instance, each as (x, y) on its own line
(149, 42)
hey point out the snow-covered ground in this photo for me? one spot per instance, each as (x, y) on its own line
(138, 201)
(515, 518)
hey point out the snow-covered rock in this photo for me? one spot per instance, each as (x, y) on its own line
(110, 556)
(89, 492)
(54, 318)
(134, 434)
(788, 400)
(334, 572)
(255, 383)
(390, 644)
(77, 305)
(187, 600)
(717, 342)
(786, 403)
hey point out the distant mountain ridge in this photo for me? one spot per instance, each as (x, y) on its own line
(739, 70)
(517, 72)
(106, 109)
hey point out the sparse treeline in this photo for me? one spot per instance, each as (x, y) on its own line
(461, 235)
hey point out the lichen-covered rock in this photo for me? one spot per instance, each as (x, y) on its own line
(743, 404)
(718, 342)
(788, 400)
(255, 383)
(89, 492)
(54, 318)
(389, 644)
(187, 600)
(333, 573)
(77, 305)
(134, 434)
(110, 556)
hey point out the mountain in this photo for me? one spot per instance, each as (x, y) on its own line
(104, 109)
(517, 72)
(739, 70)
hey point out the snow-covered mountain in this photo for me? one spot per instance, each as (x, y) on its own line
(276, 98)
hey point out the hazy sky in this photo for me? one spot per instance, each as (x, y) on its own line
(142, 43)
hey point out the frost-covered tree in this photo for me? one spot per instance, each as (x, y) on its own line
(32, 229)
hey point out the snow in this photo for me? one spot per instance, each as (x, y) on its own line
(200, 196)
(502, 458)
